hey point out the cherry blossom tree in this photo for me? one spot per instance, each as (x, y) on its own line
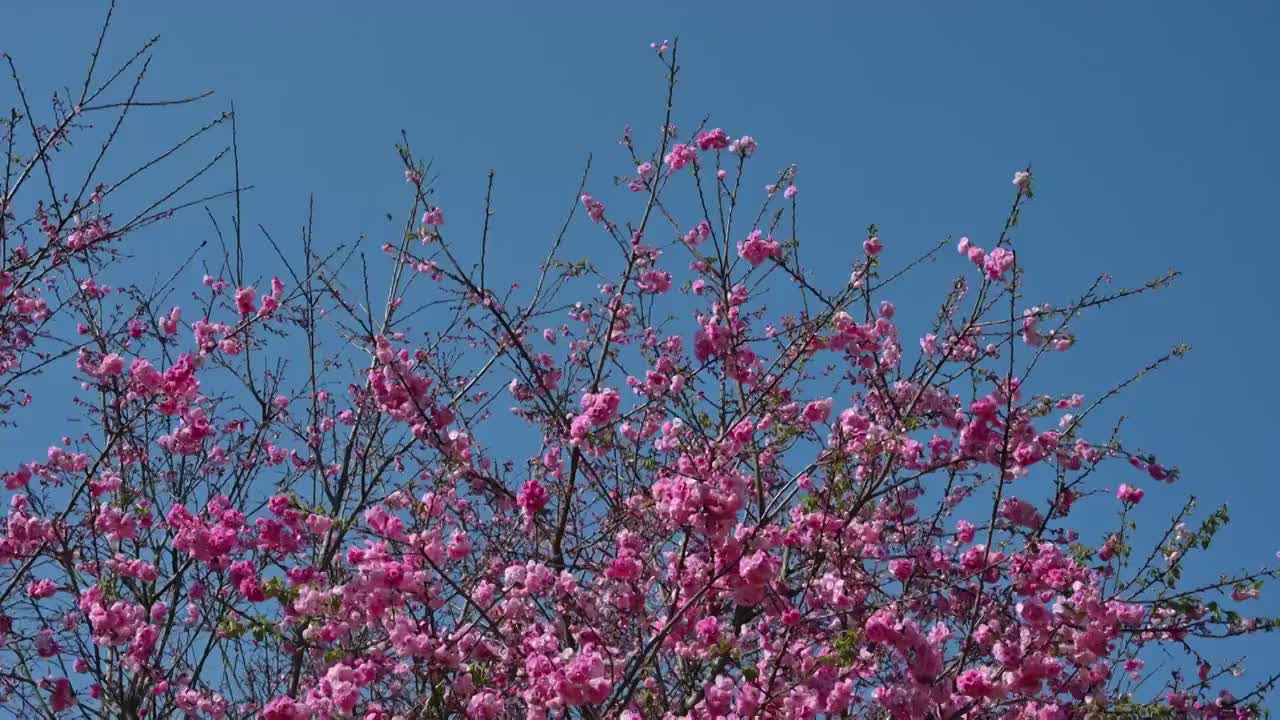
(296, 491)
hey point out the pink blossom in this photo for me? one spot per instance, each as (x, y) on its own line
(246, 301)
(817, 411)
(699, 233)
(595, 208)
(40, 589)
(61, 697)
(533, 497)
(744, 146)
(715, 139)
(901, 568)
(654, 281)
(680, 156)
(1129, 494)
(998, 262)
(169, 323)
(756, 249)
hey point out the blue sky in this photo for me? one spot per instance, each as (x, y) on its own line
(1151, 127)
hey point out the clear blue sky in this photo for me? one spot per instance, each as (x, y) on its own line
(1151, 127)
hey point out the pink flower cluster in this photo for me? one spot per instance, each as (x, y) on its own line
(756, 248)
